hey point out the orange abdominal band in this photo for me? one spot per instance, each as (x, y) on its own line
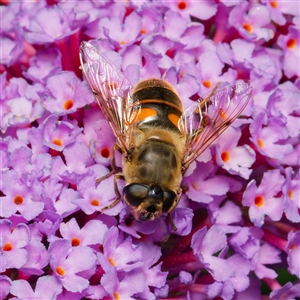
(174, 119)
(146, 113)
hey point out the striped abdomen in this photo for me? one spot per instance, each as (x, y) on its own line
(160, 106)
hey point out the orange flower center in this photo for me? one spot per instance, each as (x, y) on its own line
(105, 152)
(182, 5)
(259, 201)
(260, 143)
(111, 261)
(291, 43)
(95, 202)
(207, 83)
(290, 194)
(18, 200)
(57, 141)
(225, 156)
(75, 242)
(68, 104)
(7, 247)
(60, 271)
(247, 27)
(274, 4)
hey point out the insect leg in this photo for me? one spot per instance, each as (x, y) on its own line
(172, 223)
(113, 165)
(179, 193)
(118, 195)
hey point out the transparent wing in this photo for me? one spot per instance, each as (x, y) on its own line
(206, 119)
(111, 90)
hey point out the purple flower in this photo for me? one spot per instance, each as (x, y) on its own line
(182, 31)
(236, 160)
(43, 64)
(92, 199)
(13, 254)
(121, 254)
(41, 32)
(253, 25)
(287, 291)
(290, 45)
(121, 34)
(59, 134)
(64, 205)
(102, 146)
(210, 70)
(267, 134)
(246, 241)
(46, 287)
(290, 189)
(284, 104)
(263, 200)
(37, 258)
(226, 216)
(293, 247)
(182, 218)
(266, 255)
(5, 283)
(202, 186)
(187, 8)
(20, 196)
(90, 234)
(69, 262)
(65, 93)
(205, 244)
(132, 283)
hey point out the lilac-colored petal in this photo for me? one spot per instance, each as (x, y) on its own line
(174, 25)
(271, 183)
(266, 255)
(38, 257)
(293, 253)
(246, 241)
(288, 291)
(182, 218)
(22, 289)
(214, 240)
(81, 258)
(202, 10)
(110, 280)
(124, 256)
(96, 292)
(47, 286)
(5, 284)
(228, 214)
(64, 205)
(133, 282)
(93, 232)
(58, 251)
(15, 258)
(41, 32)
(74, 283)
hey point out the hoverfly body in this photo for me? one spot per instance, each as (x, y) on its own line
(157, 138)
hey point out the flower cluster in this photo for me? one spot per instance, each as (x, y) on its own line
(238, 219)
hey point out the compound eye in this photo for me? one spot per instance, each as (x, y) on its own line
(135, 193)
(169, 198)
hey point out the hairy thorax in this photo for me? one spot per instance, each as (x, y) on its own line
(156, 158)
